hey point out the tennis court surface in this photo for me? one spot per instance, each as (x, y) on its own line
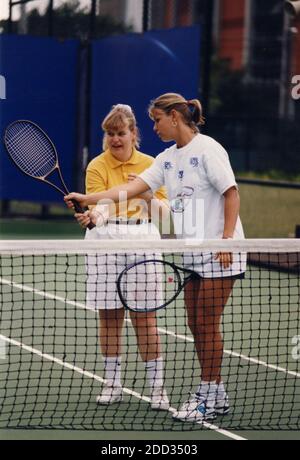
(51, 365)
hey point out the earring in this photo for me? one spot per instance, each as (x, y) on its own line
(174, 123)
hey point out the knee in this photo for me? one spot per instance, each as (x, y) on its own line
(195, 327)
(143, 325)
(202, 328)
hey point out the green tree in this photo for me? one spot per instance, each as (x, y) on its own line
(235, 95)
(70, 20)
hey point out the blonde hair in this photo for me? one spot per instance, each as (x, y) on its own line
(190, 110)
(120, 116)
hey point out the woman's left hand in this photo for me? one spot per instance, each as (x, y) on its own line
(147, 196)
(225, 259)
(84, 219)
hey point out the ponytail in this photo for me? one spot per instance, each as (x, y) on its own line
(191, 110)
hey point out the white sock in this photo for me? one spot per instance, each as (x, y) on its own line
(155, 372)
(112, 370)
(221, 392)
(206, 388)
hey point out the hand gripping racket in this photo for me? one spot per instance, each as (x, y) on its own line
(150, 285)
(34, 154)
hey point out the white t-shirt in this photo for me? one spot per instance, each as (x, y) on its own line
(196, 176)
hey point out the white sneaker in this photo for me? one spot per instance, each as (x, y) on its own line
(159, 399)
(222, 403)
(110, 394)
(196, 409)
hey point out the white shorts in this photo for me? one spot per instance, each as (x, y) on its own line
(205, 265)
(104, 269)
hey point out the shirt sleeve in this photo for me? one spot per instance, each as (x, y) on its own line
(94, 181)
(218, 169)
(154, 176)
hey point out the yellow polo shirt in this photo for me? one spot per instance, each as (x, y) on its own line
(105, 172)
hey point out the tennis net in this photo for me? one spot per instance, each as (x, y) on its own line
(51, 364)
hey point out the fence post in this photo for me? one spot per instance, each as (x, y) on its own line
(50, 18)
(207, 53)
(92, 20)
(146, 15)
(10, 17)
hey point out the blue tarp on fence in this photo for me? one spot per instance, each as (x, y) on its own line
(43, 85)
(133, 69)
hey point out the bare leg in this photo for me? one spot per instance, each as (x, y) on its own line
(110, 330)
(205, 301)
(148, 338)
(149, 346)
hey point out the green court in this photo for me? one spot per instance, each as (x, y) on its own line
(52, 367)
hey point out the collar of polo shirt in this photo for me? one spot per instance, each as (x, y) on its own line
(114, 163)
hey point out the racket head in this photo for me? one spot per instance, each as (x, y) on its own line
(149, 285)
(33, 152)
(30, 149)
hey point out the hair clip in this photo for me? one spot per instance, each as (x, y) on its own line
(123, 107)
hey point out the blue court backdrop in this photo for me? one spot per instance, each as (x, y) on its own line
(43, 85)
(136, 69)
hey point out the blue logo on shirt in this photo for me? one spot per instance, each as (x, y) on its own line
(180, 175)
(194, 162)
(168, 165)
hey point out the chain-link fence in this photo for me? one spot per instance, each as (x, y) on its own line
(134, 15)
(84, 19)
(249, 58)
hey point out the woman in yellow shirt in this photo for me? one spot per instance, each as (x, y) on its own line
(119, 163)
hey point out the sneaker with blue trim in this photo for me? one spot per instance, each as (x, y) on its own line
(196, 409)
(222, 401)
(200, 406)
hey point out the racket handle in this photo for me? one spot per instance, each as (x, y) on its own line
(79, 210)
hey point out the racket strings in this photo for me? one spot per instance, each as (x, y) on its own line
(30, 149)
(149, 285)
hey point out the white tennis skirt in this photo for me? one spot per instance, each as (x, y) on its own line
(104, 269)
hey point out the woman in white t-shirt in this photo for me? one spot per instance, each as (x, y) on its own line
(198, 176)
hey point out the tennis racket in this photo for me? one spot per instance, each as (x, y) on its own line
(35, 155)
(150, 285)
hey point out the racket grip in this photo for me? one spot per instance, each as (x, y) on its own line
(79, 210)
